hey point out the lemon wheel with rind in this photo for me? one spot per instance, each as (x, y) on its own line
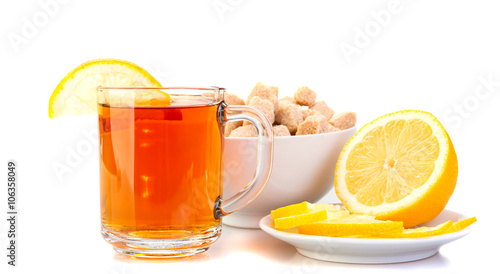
(76, 93)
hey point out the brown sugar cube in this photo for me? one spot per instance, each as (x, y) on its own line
(265, 92)
(233, 99)
(306, 112)
(305, 96)
(331, 128)
(230, 126)
(323, 108)
(287, 100)
(263, 105)
(259, 87)
(281, 130)
(343, 120)
(244, 131)
(313, 124)
(290, 116)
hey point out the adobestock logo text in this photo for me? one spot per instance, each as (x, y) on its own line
(32, 25)
(364, 35)
(455, 115)
(77, 154)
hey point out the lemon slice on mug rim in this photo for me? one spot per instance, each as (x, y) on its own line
(76, 93)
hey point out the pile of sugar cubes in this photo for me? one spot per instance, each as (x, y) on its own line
(300, 115)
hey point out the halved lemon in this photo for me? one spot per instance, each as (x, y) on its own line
(401, 167)
(76, 93)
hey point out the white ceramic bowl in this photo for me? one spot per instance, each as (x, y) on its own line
(303, 170)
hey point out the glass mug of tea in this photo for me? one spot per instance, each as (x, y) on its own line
(161, 167)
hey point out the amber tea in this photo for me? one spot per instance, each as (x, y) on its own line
(145, 189)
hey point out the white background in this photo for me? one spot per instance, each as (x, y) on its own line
(428, 55)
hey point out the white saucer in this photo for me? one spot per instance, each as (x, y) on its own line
(369, 251)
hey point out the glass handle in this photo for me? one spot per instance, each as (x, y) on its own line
(264, 156)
